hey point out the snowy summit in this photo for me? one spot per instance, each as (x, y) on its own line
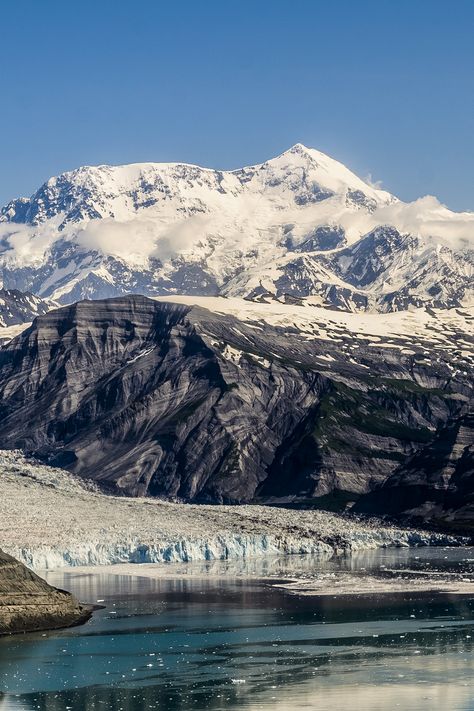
(301, 224)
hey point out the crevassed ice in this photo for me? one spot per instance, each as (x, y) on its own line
(219, 548)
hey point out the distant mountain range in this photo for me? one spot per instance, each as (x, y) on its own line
(300, 224)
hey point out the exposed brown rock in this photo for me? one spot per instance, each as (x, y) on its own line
(28, 603)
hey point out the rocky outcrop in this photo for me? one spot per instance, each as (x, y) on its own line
(232, 403)
(436, 484)
(28, 603)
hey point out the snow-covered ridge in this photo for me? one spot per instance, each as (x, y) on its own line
(434, 333)
(300, 223)
(52, 520)
(305, 312)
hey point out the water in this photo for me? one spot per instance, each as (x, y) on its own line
(208, 642)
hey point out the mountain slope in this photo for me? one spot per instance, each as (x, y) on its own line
(226, 400)
(18, 309)
(301, 223)
(436, 484)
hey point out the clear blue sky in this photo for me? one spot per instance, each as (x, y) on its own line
(386, 86)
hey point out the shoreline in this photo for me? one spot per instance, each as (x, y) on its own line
(29, 604)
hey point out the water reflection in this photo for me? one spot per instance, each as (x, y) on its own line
(191, 642)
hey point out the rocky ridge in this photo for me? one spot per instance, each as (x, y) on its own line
(436, 484)
(229, 401)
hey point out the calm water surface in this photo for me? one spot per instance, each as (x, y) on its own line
(234, 642)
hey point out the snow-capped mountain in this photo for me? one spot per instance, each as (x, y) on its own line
(17, 307)
(300, 224)
(17, 311)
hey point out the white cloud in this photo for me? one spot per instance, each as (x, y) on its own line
(141, 237)
(26, 244)
(138, 239)
(425, 217)
(376, 184)
(430, 219)
(134, 240)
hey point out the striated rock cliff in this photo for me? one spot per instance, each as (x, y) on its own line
(28, 603)
(233, 401)
(436, 484)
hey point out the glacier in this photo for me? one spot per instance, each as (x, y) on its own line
(223, 547)
(52, 520)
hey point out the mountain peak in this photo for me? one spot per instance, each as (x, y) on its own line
(329, 173)
(283, 226)
(300, 148)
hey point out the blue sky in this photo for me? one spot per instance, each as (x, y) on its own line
(385, 86)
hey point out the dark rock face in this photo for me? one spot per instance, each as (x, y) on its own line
(28, 603)
(129, 392)
(165, 399)
(322, 238)
(361, 264)
(436, 484)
